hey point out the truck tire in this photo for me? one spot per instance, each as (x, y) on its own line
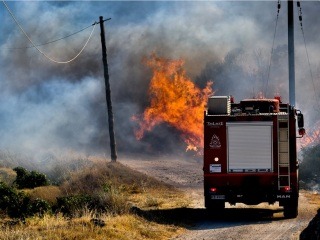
(290, 209)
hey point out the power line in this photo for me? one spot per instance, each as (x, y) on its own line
(56, 40)
(34, 45)
(272, 49)
(307, 53)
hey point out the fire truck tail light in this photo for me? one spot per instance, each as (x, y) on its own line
(302, 131)
(216, 159)
(213, 190)
(285, 189)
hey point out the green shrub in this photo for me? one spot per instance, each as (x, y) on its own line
(26, 179)
(39, 207)
(71, 205)
(19, 205)
(14, 203)
(21, 176)
(6, 194)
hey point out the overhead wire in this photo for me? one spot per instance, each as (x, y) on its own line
(307, 53)
(53, 41)
(272, 49)
(36, 47)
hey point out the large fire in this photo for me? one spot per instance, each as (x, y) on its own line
(174, 100)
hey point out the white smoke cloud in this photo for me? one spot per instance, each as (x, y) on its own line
(48, 106)
(50, 117)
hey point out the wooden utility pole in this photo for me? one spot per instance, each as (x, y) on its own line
(108, 91)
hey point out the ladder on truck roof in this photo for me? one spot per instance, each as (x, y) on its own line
(283, 153)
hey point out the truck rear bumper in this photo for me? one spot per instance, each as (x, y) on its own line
(251, 189)
(251, 198)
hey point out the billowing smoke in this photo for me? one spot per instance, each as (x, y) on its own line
(52, 107)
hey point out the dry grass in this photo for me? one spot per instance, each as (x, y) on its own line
(313, 198)
(116, 185)
(48, 193)
(117, 227)
(160, 199)
(7, 175)
(102, 173)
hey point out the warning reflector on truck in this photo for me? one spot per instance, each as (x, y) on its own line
(249, 146)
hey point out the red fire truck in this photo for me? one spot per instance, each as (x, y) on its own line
(250, 153)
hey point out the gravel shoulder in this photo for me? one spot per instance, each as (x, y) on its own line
(239, 222)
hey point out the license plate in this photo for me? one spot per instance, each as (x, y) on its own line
(218, 196)
(215, 168)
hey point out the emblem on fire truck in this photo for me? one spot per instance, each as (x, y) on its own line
(215, 142)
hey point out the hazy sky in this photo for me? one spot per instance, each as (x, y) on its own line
(46, 106)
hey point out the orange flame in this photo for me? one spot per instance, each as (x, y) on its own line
(175, 100)
(312, 137)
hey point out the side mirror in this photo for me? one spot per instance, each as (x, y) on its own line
(300, 120)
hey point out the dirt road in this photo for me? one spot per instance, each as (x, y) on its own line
(238, 222)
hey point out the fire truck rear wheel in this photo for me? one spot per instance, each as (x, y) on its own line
(290, 209)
